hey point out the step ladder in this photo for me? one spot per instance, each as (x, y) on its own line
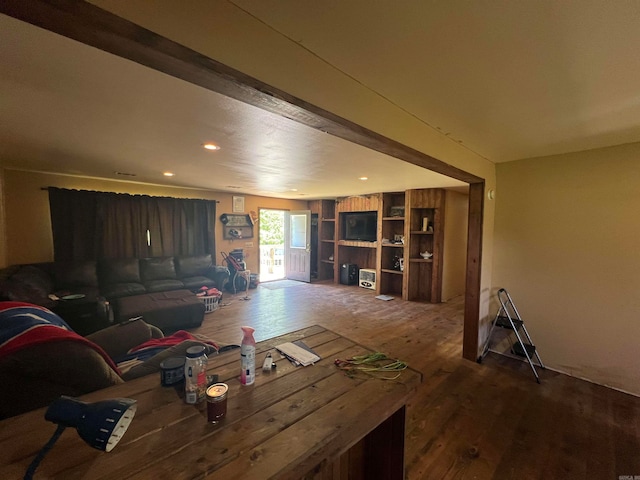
(509, 319)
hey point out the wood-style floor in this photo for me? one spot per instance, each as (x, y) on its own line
(467, 421)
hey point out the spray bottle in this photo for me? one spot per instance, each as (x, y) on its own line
(248, 356)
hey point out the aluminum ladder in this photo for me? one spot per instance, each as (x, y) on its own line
(508, 318)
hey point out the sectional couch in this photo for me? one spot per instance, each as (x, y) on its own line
(103, 281)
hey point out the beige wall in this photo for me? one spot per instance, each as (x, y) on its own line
(244, 43)
(456, 220)
(28, 223)
(567, 249)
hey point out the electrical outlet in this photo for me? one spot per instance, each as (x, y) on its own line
(248, 244)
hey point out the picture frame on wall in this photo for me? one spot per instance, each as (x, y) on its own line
(238, 204)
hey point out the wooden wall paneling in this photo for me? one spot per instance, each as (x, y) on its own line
(361, 255)
(314, 206)
(328, 209)
(426, 197)
(360, 203)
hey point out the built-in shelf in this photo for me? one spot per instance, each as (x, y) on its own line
(351, 243)
(415, 216)
(388, 270)
(326, 238)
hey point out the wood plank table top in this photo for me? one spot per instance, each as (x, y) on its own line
(293, 422)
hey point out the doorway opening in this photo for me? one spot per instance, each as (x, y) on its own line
(271, 244)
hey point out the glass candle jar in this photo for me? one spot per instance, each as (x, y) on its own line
(217, 402)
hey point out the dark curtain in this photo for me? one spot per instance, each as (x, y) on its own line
(114, 225)
(73, 224)
(181, 226)
(122, 226)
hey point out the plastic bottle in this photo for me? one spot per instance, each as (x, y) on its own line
(248, 357)
(195, 375)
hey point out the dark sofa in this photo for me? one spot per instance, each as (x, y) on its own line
(105, 280)
(126, 277)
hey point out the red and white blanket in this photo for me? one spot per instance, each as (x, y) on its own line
(24, 324)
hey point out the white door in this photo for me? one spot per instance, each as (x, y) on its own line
(297, 245)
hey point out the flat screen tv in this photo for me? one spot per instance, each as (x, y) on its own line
(359, 226)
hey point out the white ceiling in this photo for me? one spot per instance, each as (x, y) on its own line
(509, 80)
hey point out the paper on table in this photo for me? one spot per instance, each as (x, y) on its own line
(297, 353)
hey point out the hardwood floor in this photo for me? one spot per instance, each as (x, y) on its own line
(470, 421)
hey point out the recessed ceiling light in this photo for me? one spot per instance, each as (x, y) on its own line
(364, 178)
(211, 146)
(168, 174)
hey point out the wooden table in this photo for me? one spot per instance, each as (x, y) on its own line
(294, 422)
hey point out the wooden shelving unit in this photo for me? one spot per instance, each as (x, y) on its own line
(326, 251)
(392, 240)
(424, 276)
(401, 237)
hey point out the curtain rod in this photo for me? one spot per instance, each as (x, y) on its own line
(217, 201)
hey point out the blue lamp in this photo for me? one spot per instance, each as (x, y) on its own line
(101, 424)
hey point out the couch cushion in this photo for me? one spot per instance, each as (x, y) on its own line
(117, 290)
(194, 265)
(21, 292)
(163, 285)
(69, 275)
(157, 268)
(28, 284)
(119, 270)
(7, 272)
(34, 277)
(194, 283)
